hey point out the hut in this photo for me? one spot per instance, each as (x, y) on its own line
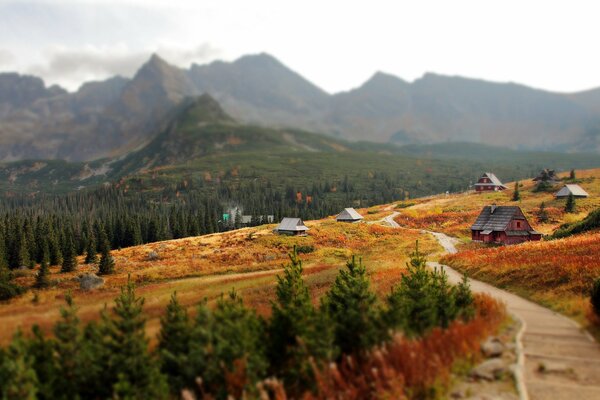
(291, 226)
(504, 225)
(575, 190)
(489, 183)
(348, 215)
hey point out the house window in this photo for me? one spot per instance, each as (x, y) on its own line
(518, 224)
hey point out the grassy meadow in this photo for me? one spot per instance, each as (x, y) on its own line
(201, 267)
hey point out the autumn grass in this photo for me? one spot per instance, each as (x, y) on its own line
(454, 214)
(206, 266)
(557, 273)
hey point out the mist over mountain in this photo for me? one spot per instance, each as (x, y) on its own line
(118, 115)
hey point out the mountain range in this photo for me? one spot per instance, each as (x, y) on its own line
(116, 116)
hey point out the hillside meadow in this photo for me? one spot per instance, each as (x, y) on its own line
(455, 213)
(201, 267)
(555, 273)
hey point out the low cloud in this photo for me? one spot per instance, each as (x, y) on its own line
(6, 58)
(72, 67)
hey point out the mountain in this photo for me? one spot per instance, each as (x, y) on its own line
(116, 116)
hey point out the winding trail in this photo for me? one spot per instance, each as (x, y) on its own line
(557, 358)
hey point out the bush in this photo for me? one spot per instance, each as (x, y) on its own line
(595, 297)
(9, 290)
(305, 249)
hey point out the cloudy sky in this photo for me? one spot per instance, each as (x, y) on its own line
(336, 44)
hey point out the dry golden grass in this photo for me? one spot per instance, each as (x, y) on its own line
(454, 214)
(206, 266)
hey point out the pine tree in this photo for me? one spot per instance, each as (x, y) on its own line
(21, 381)
(227, 342)
(463, 299)
(8, 289)
(570, 204)
(445, 303)
(135, 374)
(107, 263)
(543, 214)
(90, 252)
(516, 195)
(69, 257)
(572, 175)
(352, 306)
(412, 305)
(42, 279)
(174, 344)
(19, 255)
(296, 330)
(42, 350)
(68, 350)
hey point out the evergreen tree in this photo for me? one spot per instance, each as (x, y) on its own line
(570, 204)
(516, 194)
(543, 214)
(107, 263)
(8, 289)
(412, 305)
(463, 299)
(353, 308)
(19, 255)
(134, 373)
(90, 252)
(228, 342)
(572, 175)
(69, 257)
(42, 350)
(174, 344)
(297, 332)
(42, 279)
(3, 253)
(445, 303)
(19, 378)
(68, 350)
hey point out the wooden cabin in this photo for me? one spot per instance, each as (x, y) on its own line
(504, 225)
(348, 215)
(575, 190)
(291, 226)
(489, 183)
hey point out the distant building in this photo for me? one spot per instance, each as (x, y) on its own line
(349, 215)
(503, 224)
(575, 190)
(291, 226)
(547, 175)
(489, 183)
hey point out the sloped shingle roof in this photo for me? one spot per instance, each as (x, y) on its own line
(491, 177)
(497, 220)
(575, 189)
(291, 224)
(348, 214)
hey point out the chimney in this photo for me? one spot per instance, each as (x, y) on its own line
(493, 208)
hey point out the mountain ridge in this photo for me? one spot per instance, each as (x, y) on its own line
(114, 116)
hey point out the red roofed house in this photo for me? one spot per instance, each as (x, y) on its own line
(489, 183)
(504, 225)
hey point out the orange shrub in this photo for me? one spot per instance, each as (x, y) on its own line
(413, 366)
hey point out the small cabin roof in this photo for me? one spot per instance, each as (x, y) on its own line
(575, 190)
(292, 224)
(493, 178)
(349, 214)
(496, 218)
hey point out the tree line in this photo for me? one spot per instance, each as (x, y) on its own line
(227, 349)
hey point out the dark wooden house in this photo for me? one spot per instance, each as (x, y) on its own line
(489, 183)
(504, 225)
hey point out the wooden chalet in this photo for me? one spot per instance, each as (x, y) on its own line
(489, 183)
(348, 215)
(291, 226)
(504, 225)
(575, 190)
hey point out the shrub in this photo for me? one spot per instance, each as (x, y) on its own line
(595, 297)
(305, 249)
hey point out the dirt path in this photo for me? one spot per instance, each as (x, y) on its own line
(558, 359)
